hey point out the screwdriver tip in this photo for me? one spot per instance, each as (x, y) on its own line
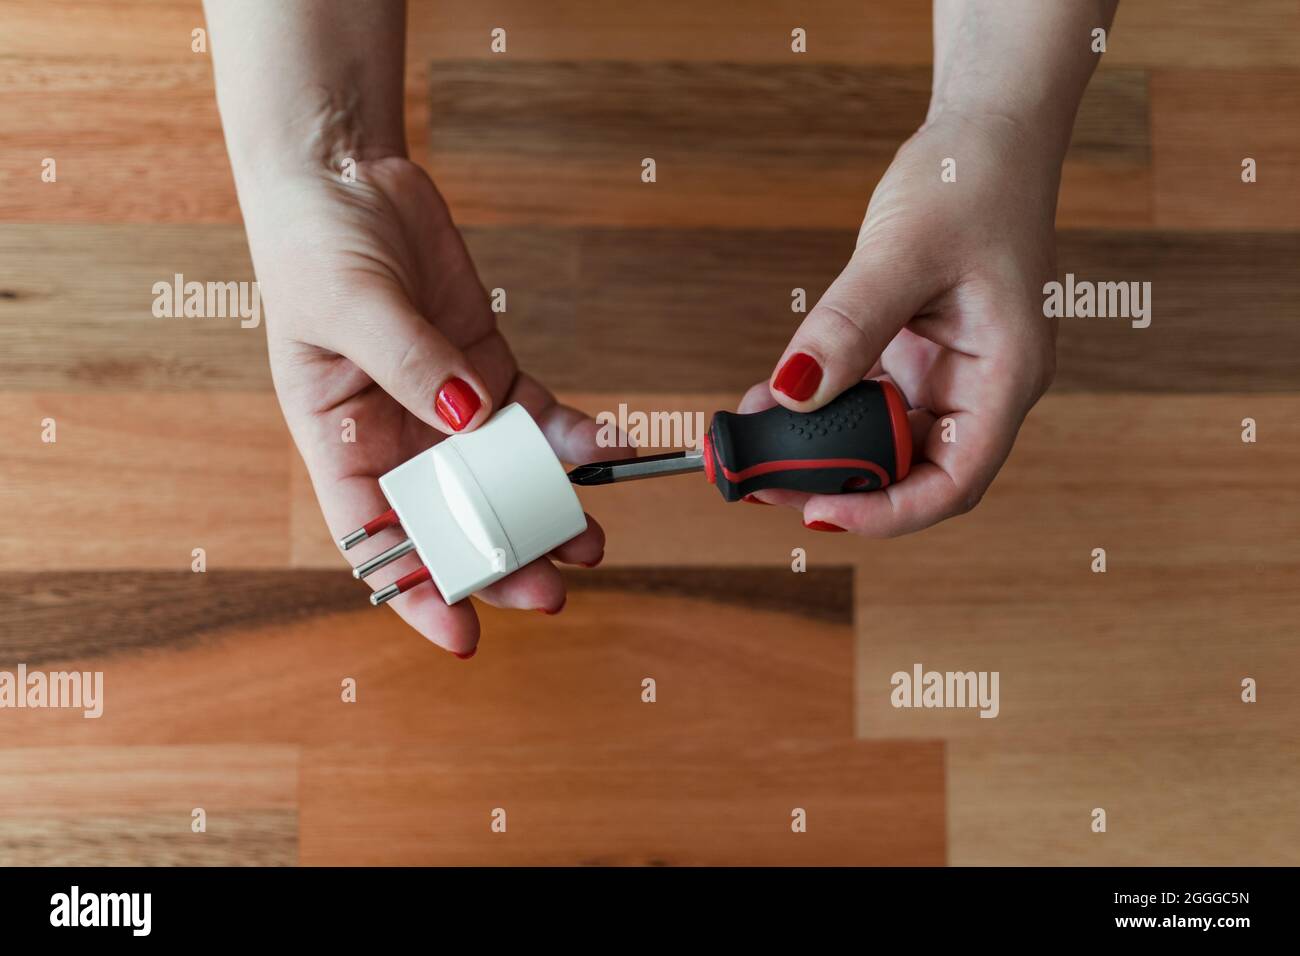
(593, 474)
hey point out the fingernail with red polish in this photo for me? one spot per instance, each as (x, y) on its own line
(457, 403)
(756, 501)
(468, 654)
(821, 526)
(798, 377)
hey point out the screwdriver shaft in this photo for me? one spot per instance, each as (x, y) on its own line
(632, 469)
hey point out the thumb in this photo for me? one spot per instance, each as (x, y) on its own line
(842, 338)
(414, 363)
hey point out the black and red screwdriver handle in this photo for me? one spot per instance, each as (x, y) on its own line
(859, 441)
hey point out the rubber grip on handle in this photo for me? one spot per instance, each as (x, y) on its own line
(859, 441)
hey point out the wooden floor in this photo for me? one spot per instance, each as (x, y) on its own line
(1119, 691)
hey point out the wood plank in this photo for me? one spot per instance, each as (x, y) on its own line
(131, 806)
(1222, 320)
(127, 111)
(699, 802)
(77, 301)
(136, 141)
(1140, 649)
(736, 145)
(1155, 32)
(891, 32)
(138, 480)
(1214, 33)
(1198, 593)
(76, 304)
(106, 94)
(223, 660)
(1198, 798)
(896, 31)
(84, 30)
(654, 309)
(684, 297)
(1204, 124)
(237, 838)
(748, 724)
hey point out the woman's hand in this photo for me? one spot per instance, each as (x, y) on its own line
(943, 295)
(375, 314)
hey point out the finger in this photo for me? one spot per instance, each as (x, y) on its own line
(491, 358)
(537, 586)
(574, 435)
(950, 481)
(411, 360)
(842, 338)
(756, 399)
(779, 496)
(586, 549)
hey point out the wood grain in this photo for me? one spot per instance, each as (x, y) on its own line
(102, 805)
(1204, 124)
(1201, 798)
(223, 689)
(1213, 33)
(84, 615)
(751, 720)
(748, 665)
(132, 140)
(1122, 689)
(637, 309)
(76, 310)
(735, 145)
(128, 113)
(894, 32)
(1221, 313)
(1222, 306)
(1209, 34)
(238, 838)
(619, 803)
(142, 480)
(121, 100)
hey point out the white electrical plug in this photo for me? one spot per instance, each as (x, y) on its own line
(475, 508)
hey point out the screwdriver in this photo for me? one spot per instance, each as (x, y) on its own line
(859, 441)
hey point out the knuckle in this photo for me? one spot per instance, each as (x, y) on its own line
(967, 502)
(413, 369)
(839, 327)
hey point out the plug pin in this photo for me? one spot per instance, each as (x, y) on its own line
(368, 530)
(400, 586)
(378, 561)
